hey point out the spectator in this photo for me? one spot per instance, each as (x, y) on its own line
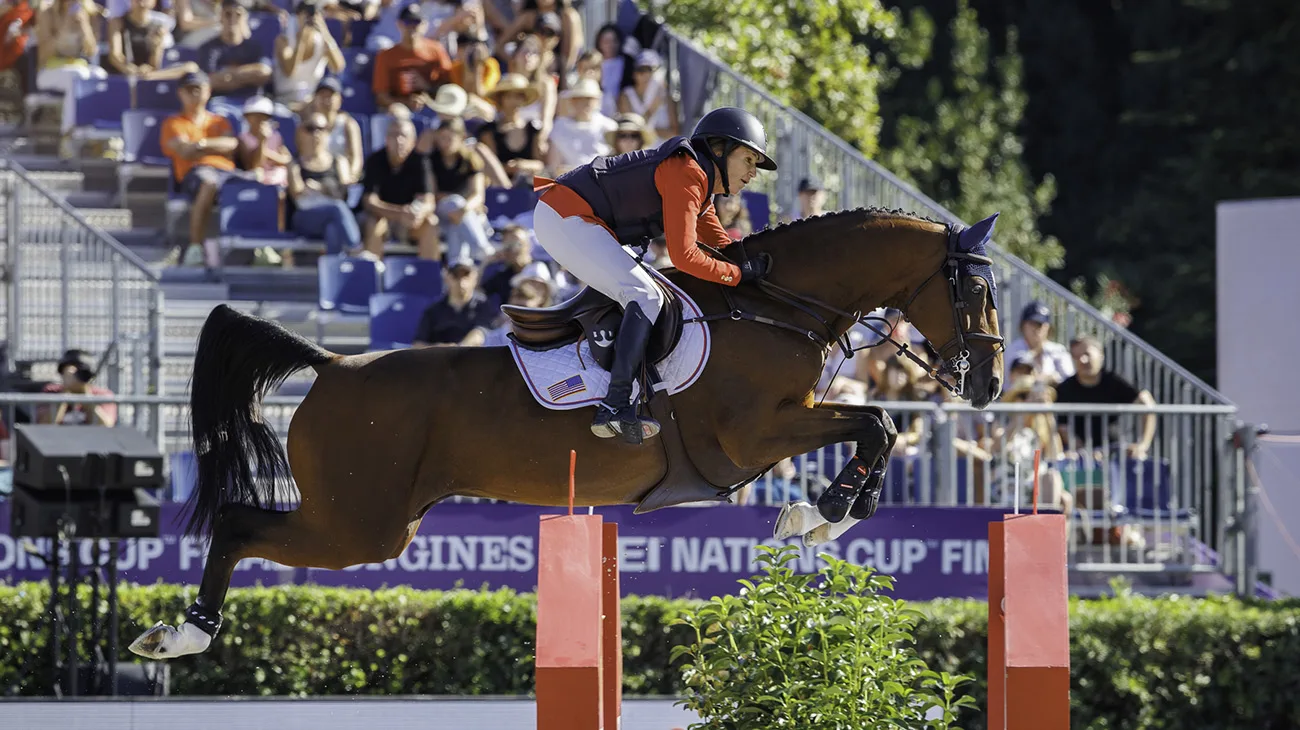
(477, 73)
(261, 149)
(457, 22)
(1027, 432)
(579, 135)
(344, 137)
(629, 134)
(448, 103)
(461, 193)
(136, 42)
(1091, 383)
(461, 309)
(812, 198)
(530, 59)
(617, 67)
(515, 255)
(590, 67)
(1051, 359)
(556, 19)
(407, 72)
(398, 195)
(237, 64)
(516, 143)
(197, 22)
(529, 288)
(318, 184)
(648, 96)
(76, 375)
(201, 146)
(733, 215)
(17, 22)
(302, 58)
(871, 369)
(66, 47)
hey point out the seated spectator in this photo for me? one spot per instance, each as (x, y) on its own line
(590, 66)
(461, 193)
(557, 18)
(344, 136)
(1027, 432)
(448, 103)
(261, 149)
(301, 60)
(76, 375)
(517, 143)
(398, 195)
(515, 255)
(453, 22)
(1051, 359)
(529, 288)
(530, 59)
(616, 68)
(235, 62)
(17, 23)
(136, 42)
(579, 135)
(648, 96)
(66, 46)
(201, 146)
(461, 309)
(733, 214)
(477, 72)
(318, 184)
(197, 21)
(871, 369)
(629, 135)
(415, 66)
(1091, 383)
(812, 198)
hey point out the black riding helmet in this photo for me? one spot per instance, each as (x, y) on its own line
(737, 127)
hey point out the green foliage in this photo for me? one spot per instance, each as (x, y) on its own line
(817, 651)
(1136, 663)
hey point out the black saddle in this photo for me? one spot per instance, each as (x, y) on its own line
(595, 316)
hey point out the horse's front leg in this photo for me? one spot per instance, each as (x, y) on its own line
(855, 491)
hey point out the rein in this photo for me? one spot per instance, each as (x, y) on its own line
(957, 367)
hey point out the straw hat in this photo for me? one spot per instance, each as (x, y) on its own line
(450, 100)
(584, 89)
(630, 123)
(515, 82)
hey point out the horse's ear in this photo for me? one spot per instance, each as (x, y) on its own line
(975, 237)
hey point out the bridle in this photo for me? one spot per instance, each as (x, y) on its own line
(951, 372)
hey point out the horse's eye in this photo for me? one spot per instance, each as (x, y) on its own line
(977, 289)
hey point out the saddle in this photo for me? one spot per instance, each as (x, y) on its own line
(596, 317)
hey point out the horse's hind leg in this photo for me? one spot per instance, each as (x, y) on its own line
(239, 532)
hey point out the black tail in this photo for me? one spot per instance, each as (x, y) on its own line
(240, 359)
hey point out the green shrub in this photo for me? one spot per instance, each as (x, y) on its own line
(1140, 663)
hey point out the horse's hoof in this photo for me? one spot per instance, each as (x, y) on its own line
(828, 532)
(165, 642)
(796, 518)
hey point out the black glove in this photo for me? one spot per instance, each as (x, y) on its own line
(756, 268)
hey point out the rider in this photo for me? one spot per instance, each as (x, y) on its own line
(585, 214)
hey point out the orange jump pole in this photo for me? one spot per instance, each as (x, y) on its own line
(579, 624)
(1029, 623)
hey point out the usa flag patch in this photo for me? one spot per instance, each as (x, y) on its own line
(566, 387)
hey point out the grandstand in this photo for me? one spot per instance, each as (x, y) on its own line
(96, 241)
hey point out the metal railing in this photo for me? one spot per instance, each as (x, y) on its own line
(68, 284)
(804, 147)
(1178, 509)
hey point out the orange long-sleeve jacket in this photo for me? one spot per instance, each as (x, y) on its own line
(684, 187)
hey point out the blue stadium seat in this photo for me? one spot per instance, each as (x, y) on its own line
(363, 121)
(249, 209)
(361, 33)
(265, 27)
(358, 66)
(358, 98)
(142, 137)
(100, 103)
(509, 203)
(393, 319)
(411, 275)
(346, 284)
(339, 30)
(158, 95)
(178, 54)
(288, 127)
(1148, 490)
(760, 209)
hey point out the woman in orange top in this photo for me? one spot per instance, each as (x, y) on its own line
(584, 216)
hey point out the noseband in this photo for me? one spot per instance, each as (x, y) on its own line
(951, 373)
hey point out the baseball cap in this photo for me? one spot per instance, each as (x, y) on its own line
(330, 82)
(1036, 312)
(194, 78)
(259, 105)
(411, 14)
(464, 262)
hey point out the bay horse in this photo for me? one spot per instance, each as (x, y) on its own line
(383, 436)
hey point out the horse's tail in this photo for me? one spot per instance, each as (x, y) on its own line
(240, 359)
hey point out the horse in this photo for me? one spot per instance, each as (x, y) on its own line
(382, 437)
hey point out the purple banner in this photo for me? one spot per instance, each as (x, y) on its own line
(700, 552)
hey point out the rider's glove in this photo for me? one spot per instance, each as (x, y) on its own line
(755, 268)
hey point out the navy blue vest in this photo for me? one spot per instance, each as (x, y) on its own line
(621, 190)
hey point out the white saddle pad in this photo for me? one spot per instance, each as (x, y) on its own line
(568, 377)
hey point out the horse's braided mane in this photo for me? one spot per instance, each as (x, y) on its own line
(869, 213)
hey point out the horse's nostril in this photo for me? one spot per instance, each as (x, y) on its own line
(995, 387)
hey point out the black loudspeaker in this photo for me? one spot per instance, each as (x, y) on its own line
(44, 454)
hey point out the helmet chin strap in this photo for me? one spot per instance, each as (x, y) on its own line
(721, 162)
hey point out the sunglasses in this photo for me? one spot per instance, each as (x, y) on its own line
(314, 129)
(635, 136)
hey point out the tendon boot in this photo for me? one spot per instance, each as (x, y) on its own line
(616, 415)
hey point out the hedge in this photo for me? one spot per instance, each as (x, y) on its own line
(1169, 662)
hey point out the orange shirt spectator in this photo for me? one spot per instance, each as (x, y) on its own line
(203, 125)
(16, 24)
(406, 72)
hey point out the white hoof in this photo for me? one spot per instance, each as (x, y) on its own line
(796, 518)
(164, 642)
(828, 532)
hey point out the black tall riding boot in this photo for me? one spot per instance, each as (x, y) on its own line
(616, 415)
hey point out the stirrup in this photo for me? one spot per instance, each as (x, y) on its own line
(623, 422)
